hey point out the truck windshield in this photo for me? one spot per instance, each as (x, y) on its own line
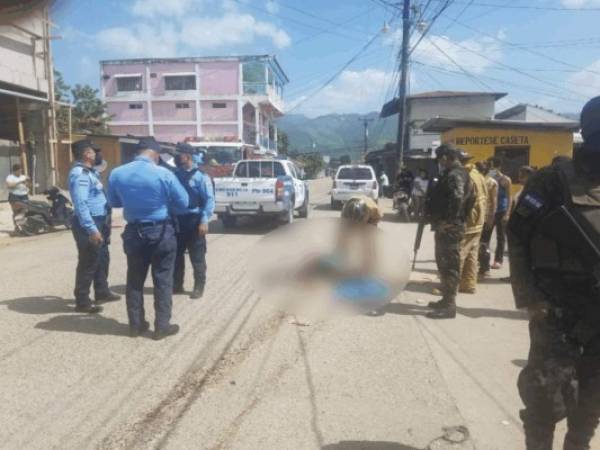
(259, 169)
(355, 173)
(219, 156)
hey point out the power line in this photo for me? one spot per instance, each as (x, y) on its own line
(445, 6)
(532, 7)
(458, 16)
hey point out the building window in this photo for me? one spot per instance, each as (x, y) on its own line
(180, 83)
(129, 84)
(136, 106)
(513, 158)
(182, 105)
(219, 105)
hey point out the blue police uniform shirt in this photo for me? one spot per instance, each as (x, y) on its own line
(87, 195)
(145, 191)
(200, 185)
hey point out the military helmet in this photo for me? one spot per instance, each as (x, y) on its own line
(356, 210)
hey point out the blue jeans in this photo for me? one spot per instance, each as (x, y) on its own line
(189, 238)
(92, 263)
(149, 245)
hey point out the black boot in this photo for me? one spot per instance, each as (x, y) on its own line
(135, 332)
(440, 304)
(197, 293)
(443, 311)
(164, 332)
(88, 309)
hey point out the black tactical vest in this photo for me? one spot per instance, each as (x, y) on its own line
(184, 178)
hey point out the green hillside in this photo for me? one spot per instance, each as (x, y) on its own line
(336, 134)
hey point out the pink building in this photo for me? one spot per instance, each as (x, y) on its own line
(207, 98)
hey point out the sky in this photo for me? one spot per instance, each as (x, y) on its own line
(341, 55)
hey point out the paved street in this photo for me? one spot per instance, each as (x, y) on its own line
(240, 375)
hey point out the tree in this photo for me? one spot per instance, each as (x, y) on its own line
(282, 143)
(61, 94)
(89, 113)
(313, 163)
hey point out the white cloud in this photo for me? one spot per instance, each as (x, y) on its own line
(352, 92)
(580, 3)
(272, 6)
(173, 27)
(231, 29)
(587, 81)
(162, 8)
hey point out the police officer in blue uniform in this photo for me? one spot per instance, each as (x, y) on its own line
(193, 221)
(91, 228)
(147, 193)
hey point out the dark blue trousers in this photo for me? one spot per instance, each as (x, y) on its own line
(189, 238)
(92, 263)
(146, 246)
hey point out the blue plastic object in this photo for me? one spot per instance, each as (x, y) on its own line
(365, 293)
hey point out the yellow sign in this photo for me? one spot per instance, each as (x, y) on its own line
(492, 140)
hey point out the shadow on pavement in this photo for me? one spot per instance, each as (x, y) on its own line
(244, 226)
(121, 289)
(421, 287)
(45, 304)
(367, 445)
(86, 324)
(324, 207)
(407, 309)
(519, 363)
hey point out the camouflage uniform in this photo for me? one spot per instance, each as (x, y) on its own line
(447, 211)
(562, 376)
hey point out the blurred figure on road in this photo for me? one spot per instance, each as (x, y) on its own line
(193, 220)
(488, 226)
(147, 193)
(384, 184)
(90, 227)
(503, 209)
(16, 183)
(469, 247)
(554, 242)
(449, 210)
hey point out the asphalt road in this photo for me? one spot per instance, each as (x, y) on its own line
(241, 375)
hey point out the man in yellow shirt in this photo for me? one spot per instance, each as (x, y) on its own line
(469, 248)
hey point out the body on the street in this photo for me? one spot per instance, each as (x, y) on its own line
(91, 228)
(147, 193)
(553, 231)
(193, 220)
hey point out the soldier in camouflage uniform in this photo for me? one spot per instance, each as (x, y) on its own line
(554, 242)
(447, 210)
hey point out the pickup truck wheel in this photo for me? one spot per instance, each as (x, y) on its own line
(229, 221)
(303, 211)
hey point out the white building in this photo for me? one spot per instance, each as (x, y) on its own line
(531, 113)
(450, 104)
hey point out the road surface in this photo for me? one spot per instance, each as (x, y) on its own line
(240, 375)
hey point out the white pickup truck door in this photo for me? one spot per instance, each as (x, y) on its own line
(298, 186)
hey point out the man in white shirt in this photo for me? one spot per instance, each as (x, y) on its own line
(384, 183)
(16, 183)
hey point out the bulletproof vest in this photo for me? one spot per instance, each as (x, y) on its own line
(437, 203)
(567, 240)
(185, 177)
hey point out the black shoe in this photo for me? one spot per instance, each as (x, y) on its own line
(178, 290)
(88, 309)
(163, 333)
(197, 293)
(440, 304)
(109, 296)
(135, 332)
(448, 312)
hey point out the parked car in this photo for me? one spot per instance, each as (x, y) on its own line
(267, 187)
(353, 180)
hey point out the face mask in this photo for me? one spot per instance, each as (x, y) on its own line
(100, 167)
(98, 159)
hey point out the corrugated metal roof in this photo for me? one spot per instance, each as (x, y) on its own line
(450, 94)
(441, 124)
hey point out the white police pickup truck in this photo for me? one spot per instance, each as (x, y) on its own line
(261, 187)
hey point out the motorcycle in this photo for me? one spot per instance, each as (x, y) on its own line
(33, 217)
(403, 205)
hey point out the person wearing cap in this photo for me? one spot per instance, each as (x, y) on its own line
(193, 220)
(553, 238)
(469, 247)
(447, 207)
(147, 193)
(90, 227)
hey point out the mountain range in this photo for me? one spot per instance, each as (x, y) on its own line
(337, 134)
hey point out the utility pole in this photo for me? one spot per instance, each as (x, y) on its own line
(401, 140)
(366, 122)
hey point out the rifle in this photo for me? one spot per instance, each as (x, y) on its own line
(418, 240)
(425, 218)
